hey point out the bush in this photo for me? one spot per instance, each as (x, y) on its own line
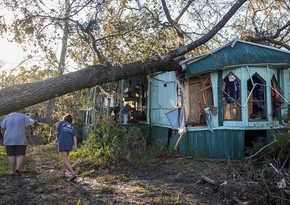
(103, 144)
(43, 134)
(112, 142)
(78, 124)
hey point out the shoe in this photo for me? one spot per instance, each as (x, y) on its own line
(17, 172)
(73, 178)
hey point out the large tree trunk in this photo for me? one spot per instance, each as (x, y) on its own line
(20, 96)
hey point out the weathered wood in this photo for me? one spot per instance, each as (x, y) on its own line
(181, 136)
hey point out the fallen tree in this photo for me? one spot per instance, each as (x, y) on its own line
(21, 96)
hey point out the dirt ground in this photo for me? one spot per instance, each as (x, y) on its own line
(177, 180)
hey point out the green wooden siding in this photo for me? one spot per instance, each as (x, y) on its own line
(220, 144)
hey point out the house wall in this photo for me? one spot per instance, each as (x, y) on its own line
(162, 98)
(227, 141)
(202, 143)
(244, 74)
(220, 144)
(215, 91)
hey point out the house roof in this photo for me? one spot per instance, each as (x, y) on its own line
(237, 53)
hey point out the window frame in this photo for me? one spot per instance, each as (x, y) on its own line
(257, 103)
(230, 103)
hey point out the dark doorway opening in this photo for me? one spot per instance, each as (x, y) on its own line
(255, 138)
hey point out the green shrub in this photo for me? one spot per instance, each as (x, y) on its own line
(78, 124)
(43, 134)
(4, 165)
(112, 142)
(278, 152)
(103, 144)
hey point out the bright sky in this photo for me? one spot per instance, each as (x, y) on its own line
(10, 54)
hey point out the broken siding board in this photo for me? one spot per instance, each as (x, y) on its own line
(196, 104)
(193, 86)
(200, 96)
(163, 97)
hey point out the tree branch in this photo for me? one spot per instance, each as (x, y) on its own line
(272, 38)
(184, 10)
(183, 50)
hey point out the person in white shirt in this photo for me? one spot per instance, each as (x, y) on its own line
(16, 131)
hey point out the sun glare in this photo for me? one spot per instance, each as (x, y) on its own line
(10, 54)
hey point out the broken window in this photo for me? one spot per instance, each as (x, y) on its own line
(257, 105)
(231, 97)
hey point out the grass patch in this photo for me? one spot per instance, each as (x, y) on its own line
(4, 165)
(168, 199)
(139, 190)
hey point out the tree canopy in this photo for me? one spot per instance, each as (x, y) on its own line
(114, 40)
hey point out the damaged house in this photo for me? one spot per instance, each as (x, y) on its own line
(227, 100)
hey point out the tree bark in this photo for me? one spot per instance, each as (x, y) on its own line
(21, 96)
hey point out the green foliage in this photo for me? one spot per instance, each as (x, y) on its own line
(103, 144)
(134, 141)
(4, 165)
(282, 143)
(278, 152)
(112, 142)
(78, 124)
(166, 198)
(42, 134)
(256, 146)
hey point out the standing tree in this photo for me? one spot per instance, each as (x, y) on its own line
(61, 64)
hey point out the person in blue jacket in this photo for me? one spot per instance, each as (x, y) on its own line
(67, 141)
